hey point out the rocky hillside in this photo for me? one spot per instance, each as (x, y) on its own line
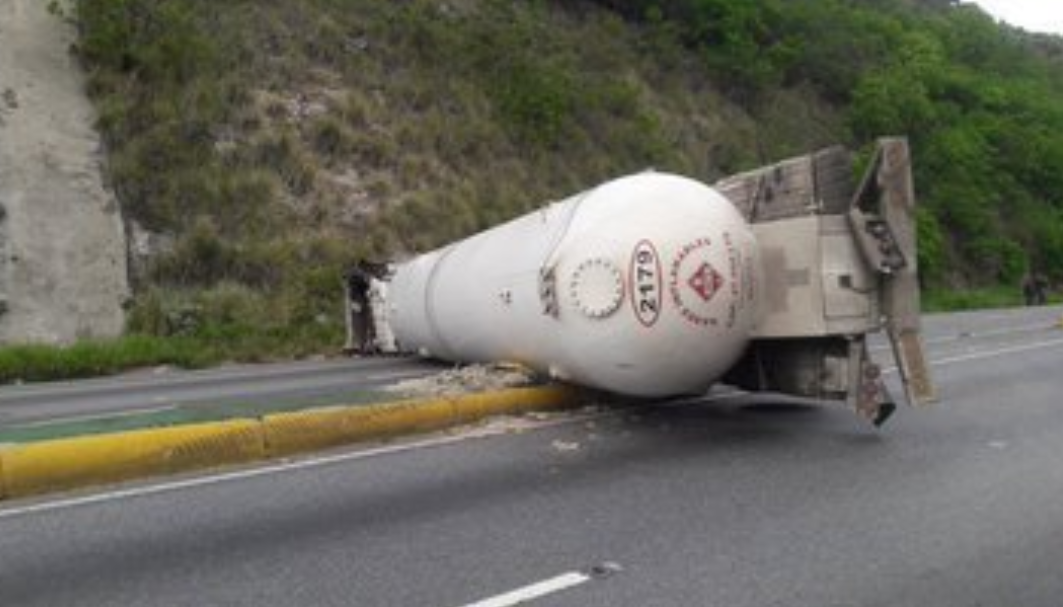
(256, 148)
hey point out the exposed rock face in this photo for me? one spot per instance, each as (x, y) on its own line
(62, 244)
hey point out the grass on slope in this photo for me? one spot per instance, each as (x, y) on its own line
(264, 146)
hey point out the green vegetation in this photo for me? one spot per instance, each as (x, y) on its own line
(971, 299)
(270, 144)
(87, 359)
(982, 106)
(30, 363)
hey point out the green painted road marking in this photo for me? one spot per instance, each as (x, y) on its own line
(172, 416)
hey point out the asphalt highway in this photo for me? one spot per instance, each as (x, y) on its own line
(730, 500)
(308, 382)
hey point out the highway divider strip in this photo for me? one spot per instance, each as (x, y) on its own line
(70, 463)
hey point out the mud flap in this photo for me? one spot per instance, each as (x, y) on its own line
(868, 394)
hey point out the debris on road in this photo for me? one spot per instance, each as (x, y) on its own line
(565, 446)
(463, 380)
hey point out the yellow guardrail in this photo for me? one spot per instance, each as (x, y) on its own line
(63, 464)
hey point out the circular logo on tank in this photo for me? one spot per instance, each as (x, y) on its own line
(597, 288)
(697, 283)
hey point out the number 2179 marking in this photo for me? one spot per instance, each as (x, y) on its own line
(646, 285)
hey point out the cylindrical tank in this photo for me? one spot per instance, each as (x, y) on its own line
(644, 286)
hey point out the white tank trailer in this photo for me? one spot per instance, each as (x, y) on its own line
(656, 285)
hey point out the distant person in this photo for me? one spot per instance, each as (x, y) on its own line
(1040, 288)
(1034, 289)
(1027, 289)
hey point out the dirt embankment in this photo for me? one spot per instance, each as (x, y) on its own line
(62, 243)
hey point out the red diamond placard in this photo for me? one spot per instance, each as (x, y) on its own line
(706, 281)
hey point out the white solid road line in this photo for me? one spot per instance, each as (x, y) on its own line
(184, 379)
(312, 462)
(77, 419)
(974, 335)
(396, 375)
(535, 591)
(942, 362)
(993, 353)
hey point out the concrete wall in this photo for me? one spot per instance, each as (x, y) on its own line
(62, 242)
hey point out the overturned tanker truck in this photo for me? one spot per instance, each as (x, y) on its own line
(656, 285)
